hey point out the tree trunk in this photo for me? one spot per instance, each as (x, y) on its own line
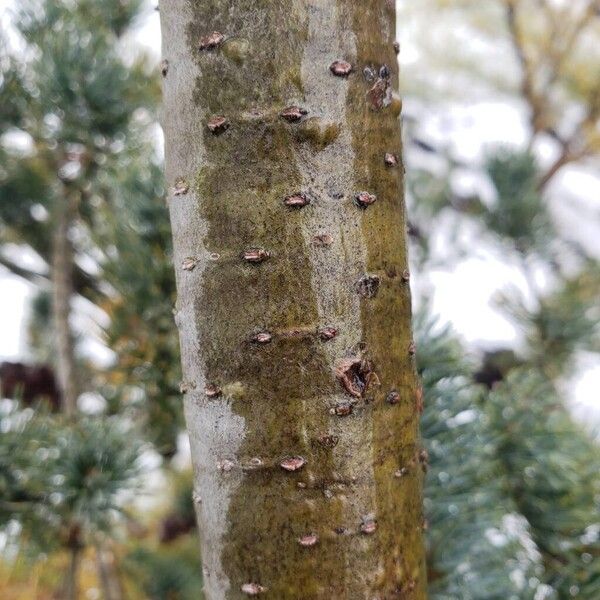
(62, 293)
(301, 398)
(72, 575)
(107, 575)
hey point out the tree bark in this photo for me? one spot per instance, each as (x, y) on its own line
(72, 575)
(293, 308)
(107, 575)
(62, 294)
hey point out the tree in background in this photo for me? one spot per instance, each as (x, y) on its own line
(65, 488)
(83, 114)
(512, 494)
(144, 380)
(81, 193)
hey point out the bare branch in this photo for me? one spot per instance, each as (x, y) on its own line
(21, 272)
(560, 56)
(527, 71)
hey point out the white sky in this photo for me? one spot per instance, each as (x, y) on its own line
(464, 295)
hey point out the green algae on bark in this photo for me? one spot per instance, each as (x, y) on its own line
(297, 456)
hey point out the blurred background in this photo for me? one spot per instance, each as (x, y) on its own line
(502, 146)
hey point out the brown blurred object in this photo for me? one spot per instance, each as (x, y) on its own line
(495, 367)
(174, 525)
(29, 383)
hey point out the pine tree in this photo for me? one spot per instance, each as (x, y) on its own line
(66, 486)
(479, 546)
(70, 96)
(144, 380)
(528, 502)
(522, 521)
(81, 190)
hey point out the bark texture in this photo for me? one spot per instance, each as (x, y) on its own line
(107, 574)
(293, 307)
(72, 575)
